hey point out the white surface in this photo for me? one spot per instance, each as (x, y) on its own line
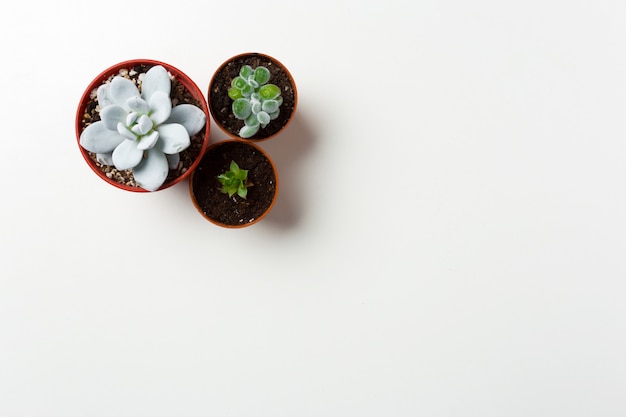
(449, 237)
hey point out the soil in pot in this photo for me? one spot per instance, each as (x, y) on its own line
(220, 103)
(234, 211)
(179, 95)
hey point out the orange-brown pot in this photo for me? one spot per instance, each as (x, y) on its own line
(234, 212)
(220, 104)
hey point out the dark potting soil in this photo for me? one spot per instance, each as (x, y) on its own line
(207, 190)
(179, 95)
(221, 105)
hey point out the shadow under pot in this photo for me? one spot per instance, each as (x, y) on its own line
(252, 97)
(235, 185)
(142, 125)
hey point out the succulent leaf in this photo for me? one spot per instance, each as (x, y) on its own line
(173, 138)
(239, 82)
(226, 190)
(97, 138)
(121, 90)
(242, 108)
(112, 115)
(256, 107)
(130, 118)
(148, 141)
(263, 117)
(269, 92)
(246, 71)
(126, 133)
(104, 98)
(191, 117)
(160, 107)
(173, 160)
(253, 83)
(252, 120)
(152, 171)
(234, 93)
(261, 75)
(105, 159)
(138, 105)
(247, 90)
(242, 191)
(155, 79)
(270, 106)
(275, 114)
(234, 168)
(144, 125)
(126, 155)
(248, 131)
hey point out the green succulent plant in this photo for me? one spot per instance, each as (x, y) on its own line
(235, 180)
(255, 101)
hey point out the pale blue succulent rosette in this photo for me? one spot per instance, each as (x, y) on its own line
(140, 129)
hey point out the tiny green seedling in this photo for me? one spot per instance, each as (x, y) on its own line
(235, 181)
(255, 101)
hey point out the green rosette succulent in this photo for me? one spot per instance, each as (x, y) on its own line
(235, 180)
(255, 101)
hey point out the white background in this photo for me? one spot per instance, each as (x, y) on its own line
(449, 237)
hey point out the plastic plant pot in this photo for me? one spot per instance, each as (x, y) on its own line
(233, 211)
(221, 104)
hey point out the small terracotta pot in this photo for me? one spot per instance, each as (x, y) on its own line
(191, 155)
(220, 104)
(234, 212)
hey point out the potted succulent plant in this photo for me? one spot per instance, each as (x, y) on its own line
(142, 125)
(235, 185)
(252, 97)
